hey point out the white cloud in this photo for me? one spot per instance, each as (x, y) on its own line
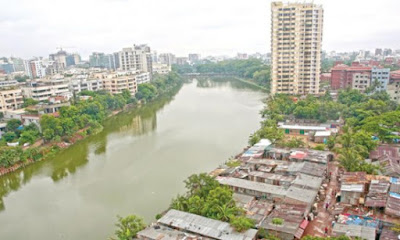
(33, 28)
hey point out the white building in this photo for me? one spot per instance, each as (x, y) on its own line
(142, 77)
(161, 68)
(136, 58)
(43, 89)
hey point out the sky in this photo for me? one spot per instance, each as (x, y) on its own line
(210, 27)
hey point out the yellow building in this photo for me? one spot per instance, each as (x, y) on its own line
(296, 37)
(10, 99)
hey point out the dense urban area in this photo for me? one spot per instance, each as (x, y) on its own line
(324, 164)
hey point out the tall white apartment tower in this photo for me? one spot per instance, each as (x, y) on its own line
(296, 38)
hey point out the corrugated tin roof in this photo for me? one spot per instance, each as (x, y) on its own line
(250, 185)
(204, 226)
(300, 194)
(352, 188)
(308, 181)
(354, 231)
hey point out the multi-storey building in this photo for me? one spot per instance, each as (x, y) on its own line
(382, 75)
(181, 61)
(138, 58)
(35, 68)
(343, 76)
(194, 57)
(116, 83)
(161, 68)
(43, 89)
(296, 38)
(102, 60)
(142, 77)
(60, 58)
(393, 88)
(79, 84)
(167, 58)
(10, 99)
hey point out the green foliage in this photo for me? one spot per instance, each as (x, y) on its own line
(273, 133)
(233, 163)
(128, 227)
(207, 198)
(241, 223)
(29, 136)
(29, 102)
(146, 91)
(277, 221)
(293, 143)
(22, 78)
(320, 147)
(10, 156)
(355, 147)
(252, 69)
(13, 124)
(9, 136)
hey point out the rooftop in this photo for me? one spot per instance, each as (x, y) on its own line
(204, 226)
(250, 185)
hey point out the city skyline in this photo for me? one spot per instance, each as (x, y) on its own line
(208, 27)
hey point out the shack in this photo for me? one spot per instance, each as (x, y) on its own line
(257, 189)
(377, 194)
(286, 222)
(206, 227)
(271, 178)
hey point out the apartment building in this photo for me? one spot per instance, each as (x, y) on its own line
(10, 99)
(382, 75)
(80, 84)
(161, 68)
(343, 76)
(115, 83)
(167, 58)
(142, 77)
(43, 89)
(296, 39)
(393, 88)
(136, 58)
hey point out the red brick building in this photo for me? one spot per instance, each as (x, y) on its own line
(343, 76)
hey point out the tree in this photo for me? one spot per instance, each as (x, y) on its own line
(200, 184)
(13, 124)
(128, 227)
(9, 136)
(241, 224)
(29, 102)
(28, 137)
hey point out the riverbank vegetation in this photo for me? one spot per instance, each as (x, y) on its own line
(206, 197)
(128, 227)
(369, 120)
(82, 118)
(253, 70)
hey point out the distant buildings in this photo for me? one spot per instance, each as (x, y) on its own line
(101, 60)
(359, 76)
(161, 68)
(167, 58)
(296, 38)
(136, 58)
(194, 57)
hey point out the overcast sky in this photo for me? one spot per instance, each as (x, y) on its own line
(210, 27)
